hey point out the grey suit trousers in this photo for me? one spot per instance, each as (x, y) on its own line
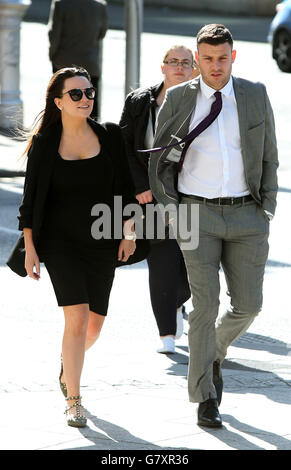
(235, 237)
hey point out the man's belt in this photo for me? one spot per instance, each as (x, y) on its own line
(221, 201)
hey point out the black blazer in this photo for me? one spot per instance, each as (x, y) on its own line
(40, 164)
(133, 122)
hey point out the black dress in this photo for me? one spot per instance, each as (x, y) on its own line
(81, 267)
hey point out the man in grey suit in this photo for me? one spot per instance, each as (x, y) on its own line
(76, 28)
(230, 171)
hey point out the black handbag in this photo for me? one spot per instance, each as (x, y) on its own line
(16, 259)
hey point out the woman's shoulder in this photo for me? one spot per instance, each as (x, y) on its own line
(44, 143)
(51, 132)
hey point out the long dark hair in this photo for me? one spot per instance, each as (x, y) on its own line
(51, 114)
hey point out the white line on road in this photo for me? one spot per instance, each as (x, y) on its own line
(11, 231)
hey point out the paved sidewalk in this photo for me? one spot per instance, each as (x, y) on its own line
(136, 398)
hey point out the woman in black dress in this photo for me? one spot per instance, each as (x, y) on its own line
(73, 164)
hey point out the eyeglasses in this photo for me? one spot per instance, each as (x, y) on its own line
(186, 64)
(77, 93)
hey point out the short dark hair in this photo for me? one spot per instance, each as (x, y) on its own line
(214, 34)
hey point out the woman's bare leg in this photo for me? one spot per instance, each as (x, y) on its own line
(95, 324)
(73, 350)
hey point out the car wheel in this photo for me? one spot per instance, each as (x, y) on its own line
(282, 50)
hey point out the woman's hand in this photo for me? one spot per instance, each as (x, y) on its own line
(31, 258)
(31, 262)
(145, 197)
(126, 249)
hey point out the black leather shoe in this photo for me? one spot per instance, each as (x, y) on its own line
(217, 381)
(208, 414)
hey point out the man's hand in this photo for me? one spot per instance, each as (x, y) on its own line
(145, 197)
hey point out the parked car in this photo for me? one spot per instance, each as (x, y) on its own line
(280, 36)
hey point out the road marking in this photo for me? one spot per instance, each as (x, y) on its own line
(11, 189)
(11, 231)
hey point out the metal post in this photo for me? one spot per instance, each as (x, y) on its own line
(11, 14)
(133, 24)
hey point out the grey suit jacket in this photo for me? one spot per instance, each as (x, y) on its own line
(75, 29)
(257, 133)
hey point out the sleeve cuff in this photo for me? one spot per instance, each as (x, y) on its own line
(269, 214)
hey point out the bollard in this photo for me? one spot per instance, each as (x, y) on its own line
(11, 14)
(133, 24)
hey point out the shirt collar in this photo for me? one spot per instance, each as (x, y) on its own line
(207, 91)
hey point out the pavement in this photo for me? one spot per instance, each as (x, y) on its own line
(136, 399)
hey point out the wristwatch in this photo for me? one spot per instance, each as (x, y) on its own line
(131, 237)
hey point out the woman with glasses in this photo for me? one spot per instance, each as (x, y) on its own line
(73, 164)
(168, 282)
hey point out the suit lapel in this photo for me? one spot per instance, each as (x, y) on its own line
(182, 117)
(189, 104)
(241, 101)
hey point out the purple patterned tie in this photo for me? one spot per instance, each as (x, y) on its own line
(188, 139)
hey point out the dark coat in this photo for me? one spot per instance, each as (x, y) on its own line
(75, 29)
(134, 121)
(40, 164)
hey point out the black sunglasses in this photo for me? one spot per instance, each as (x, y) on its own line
(77, 93)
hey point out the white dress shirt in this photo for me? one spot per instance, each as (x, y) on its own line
(213, 166)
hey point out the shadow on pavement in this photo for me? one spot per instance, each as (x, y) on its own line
(113, 437)
(248, 375)
(263, 343)
(239, 442)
